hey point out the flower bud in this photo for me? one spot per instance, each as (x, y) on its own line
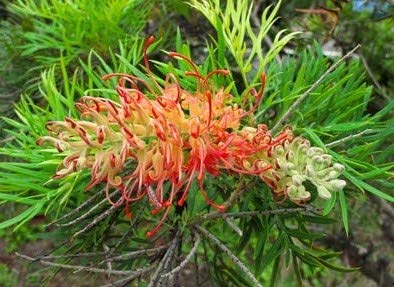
(81, 162)
(290, 155)
(339, 167)
(327, 159)
(323, 192)
(317, 162)
(282, 163)
(315, 151)
(310, 171)
(297, 179)
(336, 184)
(279, 150)
(331, 175)
(290, 166)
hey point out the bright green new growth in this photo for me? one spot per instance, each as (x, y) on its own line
(234, 23)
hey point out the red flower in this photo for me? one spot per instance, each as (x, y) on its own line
(140, 143)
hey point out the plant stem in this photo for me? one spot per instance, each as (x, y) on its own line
(138, 253)
(77, 255)
(97, 220)
(156, 276)
(232, 225)
(86, 214)
(234, 258)
(229, 203)
(213, 215)
(76, 210)
(186, 260)
(374, 80)
(84, 268)
(345, 139)
(295, 105)
(125, 281)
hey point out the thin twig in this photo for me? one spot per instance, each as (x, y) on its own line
(186, 260)
(54, 249)
(156, 276)
(232, 225)
(76, 210)
(240, 190)
(307, 92)
(348, 138)
(213, 215)
(109, 263)
(169, 260)
(374, 80)
(196, 270)
(234, 258)
(77, 255)
(127, 280)
(97, 220)
(86, 214)
(206, 261)
(126, 236)
(229, 203)
(7, 139)
(77, 267)
(136, 254)
(175, 278)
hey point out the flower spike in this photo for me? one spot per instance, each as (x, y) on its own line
(152, 149)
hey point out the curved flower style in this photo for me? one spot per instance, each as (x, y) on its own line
(166, 134)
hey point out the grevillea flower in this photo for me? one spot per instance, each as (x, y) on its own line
(157, 134)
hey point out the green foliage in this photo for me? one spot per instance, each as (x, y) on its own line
(39, 34)
(374, 18)
(335, 110)
(234, 26)
(274, 237)
(12, 69)
(26, 233)
(73, 28)
(7, 277)
(278, 236)
(27, 178)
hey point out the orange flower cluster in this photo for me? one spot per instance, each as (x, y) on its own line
(163, 134)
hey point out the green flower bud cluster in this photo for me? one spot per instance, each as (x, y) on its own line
(296, 162)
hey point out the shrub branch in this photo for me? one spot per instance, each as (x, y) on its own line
(136, 272)
(234, 258)
(186, 260)
(296, 104)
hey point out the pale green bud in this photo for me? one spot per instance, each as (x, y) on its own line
(336, 184)
(290, 166)
(327, 159)
(282, 163)
(279, 150)
(297, 179)
(310, 171)
(315, 151)
(323, 192)
(339, 167)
